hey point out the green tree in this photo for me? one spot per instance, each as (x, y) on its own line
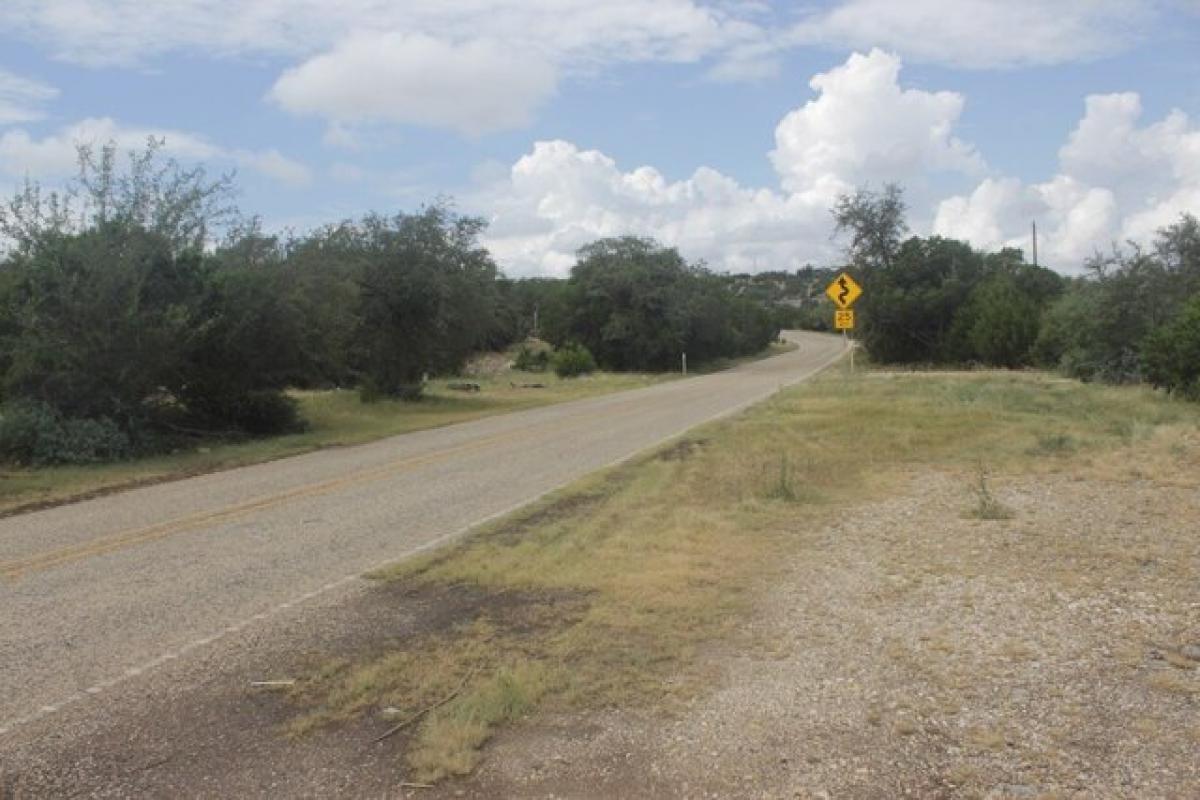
(1171, 353)
(639, 306)
(428, 298)
(908, 310)
(875, 222)
(1003, 322)
(625, 301)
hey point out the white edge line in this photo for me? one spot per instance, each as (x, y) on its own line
(10, 726)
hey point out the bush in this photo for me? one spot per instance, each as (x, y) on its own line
(572, 360)
(531, 359)
(1171, 353)
(32, 433)
(1003, 323)
(266, 413)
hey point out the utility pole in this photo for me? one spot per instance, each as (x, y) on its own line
(1035, 261)
(685, 363)
(535, 319)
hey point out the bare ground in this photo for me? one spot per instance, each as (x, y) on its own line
(911, 650)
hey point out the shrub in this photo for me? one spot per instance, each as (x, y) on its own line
(1171, 353)
(531, 359)
(572, 360)
(32, 433)
(266, 413)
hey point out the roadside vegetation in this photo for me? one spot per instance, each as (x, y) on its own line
(141, 314)
(333, 418)
(604, 594)
(1133, 315)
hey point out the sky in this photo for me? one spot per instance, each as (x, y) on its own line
(725, 128)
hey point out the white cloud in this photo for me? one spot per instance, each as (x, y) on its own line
(54, 156)
(983, 33)
(475, 87)
(21, 98)
(558, 198)
(469, 65)
(862, 126)
(1117, 180)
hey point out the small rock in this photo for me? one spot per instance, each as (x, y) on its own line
(1191, 651)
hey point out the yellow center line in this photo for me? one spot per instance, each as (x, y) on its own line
(38, 562)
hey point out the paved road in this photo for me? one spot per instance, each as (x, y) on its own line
(101, 592)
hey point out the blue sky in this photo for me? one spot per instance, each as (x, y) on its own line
(724, 128)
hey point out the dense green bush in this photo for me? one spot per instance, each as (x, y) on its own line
(428, 298)
(532, 359)
(638, 305)
(572, 360)
(1171, 353)
(33, 433)
(1002, 323)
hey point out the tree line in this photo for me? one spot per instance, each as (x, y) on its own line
(1134, 315)
(140, 313)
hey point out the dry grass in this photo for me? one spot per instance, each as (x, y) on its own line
(629, 573)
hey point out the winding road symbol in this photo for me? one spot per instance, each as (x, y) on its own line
(843, 291)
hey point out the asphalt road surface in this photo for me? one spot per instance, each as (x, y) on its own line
(103, 592)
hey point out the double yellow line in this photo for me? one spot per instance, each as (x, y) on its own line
(38, 562)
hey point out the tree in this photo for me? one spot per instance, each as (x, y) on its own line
(154, 194)
(1097, 329)
(638, 305)
(908, 310)
(427, 298)
(1171, 353)
(625, 300)
(1003, 322)
(117, 324)
(876, 224)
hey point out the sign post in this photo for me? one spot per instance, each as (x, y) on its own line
(844, 291)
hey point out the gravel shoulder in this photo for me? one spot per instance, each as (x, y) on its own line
(912, 651)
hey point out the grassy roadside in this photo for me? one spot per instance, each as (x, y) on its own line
(602, 594)
(336, 419)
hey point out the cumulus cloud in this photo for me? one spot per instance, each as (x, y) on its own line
(474, 87)
(560, 197)
(1117, 180)
(55, 155)
(862, 126)
(21, 99)
(983, 33)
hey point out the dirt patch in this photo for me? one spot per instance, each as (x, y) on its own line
(206, 732)
(681, 450)
(913, 651)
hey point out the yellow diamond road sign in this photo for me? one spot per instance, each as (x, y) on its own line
(843, 291)
(843, 319)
